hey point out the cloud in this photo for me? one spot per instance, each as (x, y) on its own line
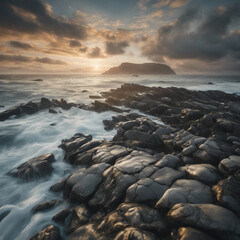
(95, 52)
(33, 16)
(142, 4)
(171, 3)
(25, 59)
(74, 43)
(49, 61)
(115, 48)
(14, 58)
(193, 38)
(21, 45)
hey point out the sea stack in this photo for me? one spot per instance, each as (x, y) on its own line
(143, 69)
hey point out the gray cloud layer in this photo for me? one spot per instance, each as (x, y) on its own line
(20, 45)
(115, 48)
(209, 40)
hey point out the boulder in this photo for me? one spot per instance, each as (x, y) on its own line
(215, 219)
(205, 173)
(49, 233)
(34, 168)
(45, 206)
(168, 160)
(229, 166)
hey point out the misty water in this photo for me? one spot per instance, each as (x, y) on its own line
(32, 135)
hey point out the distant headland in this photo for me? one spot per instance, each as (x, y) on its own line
(144, 68)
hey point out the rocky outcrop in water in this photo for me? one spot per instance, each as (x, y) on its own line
(153, 181)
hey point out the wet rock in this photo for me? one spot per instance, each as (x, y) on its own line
(134, 215)
(145, 191)
(229, 166)
(168, 160)
(45, 206)
(209, 217)
(191, 114)
(61, 216)
(59, 186)
(188, 233)
(45, 103)
(134, 162)
(136, 234)
(34, 168)
(37, 80)
(49, 233)
(227, 192)
(186, 194)
(112, 190)
(166, 176)
(84, 182)
(4, 214)
(205, 173)
(103, 106)
(85, 232)
(52, 111)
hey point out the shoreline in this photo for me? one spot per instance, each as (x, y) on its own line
(131, 184)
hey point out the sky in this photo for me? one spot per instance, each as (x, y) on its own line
(90, 36)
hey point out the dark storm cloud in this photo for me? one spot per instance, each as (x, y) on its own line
(95, 52)
(191, 38)
(25, 59)
(74, 43)
(115, 48)
(14, 58)
(32, 16)
(21, 45)
(49, 61)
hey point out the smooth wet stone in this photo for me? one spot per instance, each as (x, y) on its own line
(136, 234)
(205, 173)
(211, 147)
(134, 215)
(83, 183)
(168, 160)
(191, 113)
(112, 190)
(78, 217)
(34, 168)
(147, 171)
(189, 183)
(188, 233)
(189, 150)
(109, 154)
(45, 205)
(61, 216)
(59, 186)
(145, 191)
(229, 166)
(49, 233)
(134, 162)
(85, 232)
(209, 217)
(227, 192)
(184, 195)
(139, 136)
(166, 176)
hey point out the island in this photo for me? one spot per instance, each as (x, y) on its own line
(144, 69)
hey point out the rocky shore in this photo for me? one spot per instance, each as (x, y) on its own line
(179, 180)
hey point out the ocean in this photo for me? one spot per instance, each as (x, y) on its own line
(32, 135)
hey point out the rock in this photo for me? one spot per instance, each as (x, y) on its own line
(136, 234)
(210, 83)
(202, 156)
(166, 176)
(184, 195)
(205, 173)
(49, 233)
(61, 216)
(37, 80)
(103, 106)
(134, 215)
(168, 160)
(95, 96)
(78, 217)
(59, 186)
(188, 233)
(45, 206)
(145, 191)
(136, 69)
(112, 190)
(234, 107)
(85, 232)
(134, 162)
(45, 103)
(189, 150)
(208, 217)
(191, 114)
(229, 166)
(1, 106)
(52, 111)
(4, 214)
(84, 182)
(34, 168)
(227, 192)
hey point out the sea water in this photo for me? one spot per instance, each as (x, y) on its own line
(32, 135)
